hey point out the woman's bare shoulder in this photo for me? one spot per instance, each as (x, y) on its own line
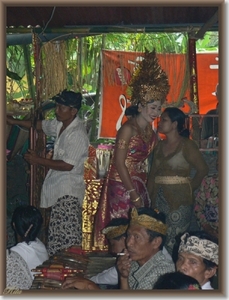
(189, 143)
(128, 127)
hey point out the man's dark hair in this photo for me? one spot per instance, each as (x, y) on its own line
(27, 222)
(176, 281)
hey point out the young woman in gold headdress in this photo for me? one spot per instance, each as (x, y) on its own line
(126, 180)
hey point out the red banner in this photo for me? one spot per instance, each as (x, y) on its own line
(118, 67)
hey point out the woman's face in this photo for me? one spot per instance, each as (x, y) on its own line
(165, 124)
(151, 111)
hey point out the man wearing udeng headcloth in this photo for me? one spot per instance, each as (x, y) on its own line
(198, 257)
(143, 261)
(63, 188)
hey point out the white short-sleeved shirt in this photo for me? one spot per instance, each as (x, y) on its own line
(71, 147)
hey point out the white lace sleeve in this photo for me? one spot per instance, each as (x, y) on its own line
(17, 272)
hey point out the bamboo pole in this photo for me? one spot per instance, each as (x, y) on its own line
(193, 73)
(96, 108)
(29, 73)
(80, 59)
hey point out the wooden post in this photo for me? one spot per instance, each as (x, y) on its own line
(193, 73)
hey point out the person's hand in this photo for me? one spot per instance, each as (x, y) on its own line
(139, 203)
(10, 120)
(49, 155)
(80, 284)
(123, 264)
(31, 157)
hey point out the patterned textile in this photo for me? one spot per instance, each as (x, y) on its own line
(176, 200)
(115, 201)
(65, 227)
(144, 277)
(89, 209)
(34, 253)
(120, 203)
(177, 220)
(200, 247)
(207, 203)
(18, 275)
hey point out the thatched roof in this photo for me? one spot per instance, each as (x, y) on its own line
(96, 18)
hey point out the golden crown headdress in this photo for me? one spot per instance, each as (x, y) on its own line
(149, 82)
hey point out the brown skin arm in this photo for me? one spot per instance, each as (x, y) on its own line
(123, 267)
(32, 158)
(24, 123)
(80, 284)
(124, 134)
(194, 157)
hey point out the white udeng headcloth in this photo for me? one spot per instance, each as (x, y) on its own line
(200, 247)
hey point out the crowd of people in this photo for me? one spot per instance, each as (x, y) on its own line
(144, 211)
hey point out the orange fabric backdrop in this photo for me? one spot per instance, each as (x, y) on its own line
(118, 67)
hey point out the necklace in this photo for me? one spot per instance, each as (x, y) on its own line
(146, 133)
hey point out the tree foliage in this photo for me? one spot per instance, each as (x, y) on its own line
(84, 56)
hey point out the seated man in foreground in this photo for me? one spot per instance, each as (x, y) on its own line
(115, 233)
(143, 261)
(198, 257)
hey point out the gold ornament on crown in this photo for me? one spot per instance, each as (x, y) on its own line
(148, 222)
(149, 82)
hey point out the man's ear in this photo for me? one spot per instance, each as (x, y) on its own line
(156, 242)
(74, 111)
(210, 272)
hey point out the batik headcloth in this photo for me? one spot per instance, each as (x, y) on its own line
(200, 247)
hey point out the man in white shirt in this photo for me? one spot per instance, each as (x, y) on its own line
(115, 233)
(63, 188)
(198, 257)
